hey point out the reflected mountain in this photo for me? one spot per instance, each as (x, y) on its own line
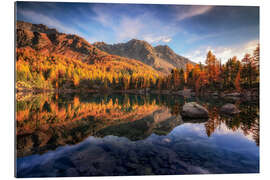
(45, 122)
(48, 121)
(161, 122)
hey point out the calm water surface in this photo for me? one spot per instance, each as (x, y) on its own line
(97, 135)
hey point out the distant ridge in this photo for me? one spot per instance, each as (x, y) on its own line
(161, 57)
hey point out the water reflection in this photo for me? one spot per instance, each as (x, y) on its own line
(131, 134)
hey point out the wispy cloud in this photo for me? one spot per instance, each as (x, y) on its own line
(143, 26)
(155, 39)
(183, 27)
(103, 15)
(49, 21)
(128, 28)
(223, 52)
(184, 12)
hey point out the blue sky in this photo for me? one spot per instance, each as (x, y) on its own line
(189, 30)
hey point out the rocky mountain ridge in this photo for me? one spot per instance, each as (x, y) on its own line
(42, 40)
(161, 57)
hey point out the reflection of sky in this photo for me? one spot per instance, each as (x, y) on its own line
(223, 129)
(222, 137)
(230, 149)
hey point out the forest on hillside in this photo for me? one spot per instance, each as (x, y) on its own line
(52, 72)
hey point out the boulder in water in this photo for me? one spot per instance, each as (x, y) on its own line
(194, 110)
(229, 109)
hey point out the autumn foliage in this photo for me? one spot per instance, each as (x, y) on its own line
(57, 71)
(234, 75)
(54, 71)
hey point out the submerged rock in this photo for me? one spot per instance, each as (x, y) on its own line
(229, 109)
(194, 110)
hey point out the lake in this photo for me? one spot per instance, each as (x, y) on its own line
(96, 135)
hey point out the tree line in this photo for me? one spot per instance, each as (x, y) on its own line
(234, 75)
(55, 71)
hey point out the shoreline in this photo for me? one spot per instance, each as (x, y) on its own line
(252, 94)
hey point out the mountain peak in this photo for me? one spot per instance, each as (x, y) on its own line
(99, 43)
(46, 40)
(161, 57)
(136, 41)
(164, 49)
(41, 28)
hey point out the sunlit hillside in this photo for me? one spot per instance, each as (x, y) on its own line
(48, 59)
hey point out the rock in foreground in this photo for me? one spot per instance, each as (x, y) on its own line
(194, 110)
(229, 109)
